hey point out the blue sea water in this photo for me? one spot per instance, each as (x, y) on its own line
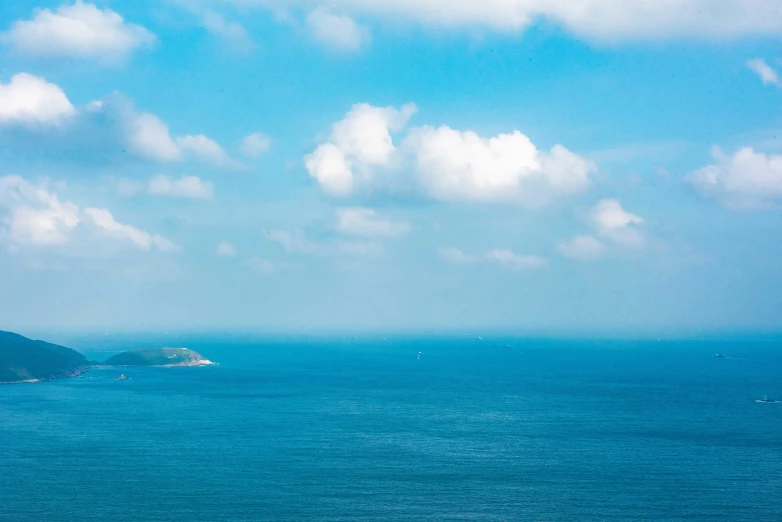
(362, 429)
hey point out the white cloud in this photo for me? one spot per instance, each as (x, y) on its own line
(456, 256)
(148, 136)
(329, 166)
(512, 261)
(449, 165)
(34, 215)
(748, 179)
(340, 33)
(581, 247)
(28, 99)
(208, 150)
(613, 224)
(597, 20)
(80, 30)
(256, 144)
(503, 257)
(462, 166)
(360, 221)
(297, 243)
(357, 143)
(292, 242)
(616, 224)
(233, 33)
(261, 265)
(105, 222)
(767, 74)
(226, 249)
(185, 187)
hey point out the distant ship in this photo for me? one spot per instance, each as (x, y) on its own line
(765, 399)
(720, 355)
(122, 377)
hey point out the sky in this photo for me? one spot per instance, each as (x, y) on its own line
(391, 165)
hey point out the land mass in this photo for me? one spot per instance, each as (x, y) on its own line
(165, 357)
(26, 360)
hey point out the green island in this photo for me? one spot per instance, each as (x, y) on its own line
(24, 360)
(165, 357)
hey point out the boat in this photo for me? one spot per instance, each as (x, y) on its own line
(122, 377)
(720, 355)
(765, 399)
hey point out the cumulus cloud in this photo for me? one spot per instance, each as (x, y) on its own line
(456, 256)
(462, 166)
(207, 150)
(297, 243)
(512, 261)
(329, 166)
(233, 33)
(148, 136)
(226, 249)
(596, 20)
(504, 258)
(616, 224)
(100, 131)
(767, 74)
(357, 143)
(261, 265)
(105, 222)
(748, 179)
(34, 215)
(365, 222)
(617, 228)
(443, 163)
(190, 187)
(256, 144)
(337, 32)
(293, 242)
(28, 99)
(581, 247)
(79, 30)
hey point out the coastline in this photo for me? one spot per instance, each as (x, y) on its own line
(195, 364)
(33, 381)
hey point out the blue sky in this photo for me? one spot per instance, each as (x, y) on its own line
(391, 165)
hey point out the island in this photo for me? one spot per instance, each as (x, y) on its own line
(163, 357)
(27, 360)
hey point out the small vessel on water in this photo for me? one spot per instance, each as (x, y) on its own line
(122, 377)
(720, 355)
(765, 399)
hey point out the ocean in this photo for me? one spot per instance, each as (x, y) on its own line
(334, 428)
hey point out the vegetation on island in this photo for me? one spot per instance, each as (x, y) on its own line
(26, 360)
(159, 357)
